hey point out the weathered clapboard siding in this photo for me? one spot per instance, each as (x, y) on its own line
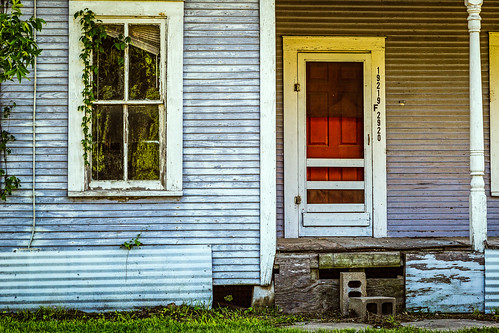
(427, 69)
(220, 205)
(447, 282)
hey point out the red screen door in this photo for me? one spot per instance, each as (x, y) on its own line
(336, 189)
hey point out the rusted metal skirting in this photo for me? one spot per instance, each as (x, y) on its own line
(106, 279)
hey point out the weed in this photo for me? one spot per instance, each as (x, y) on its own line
(392, 321)
(132, 243)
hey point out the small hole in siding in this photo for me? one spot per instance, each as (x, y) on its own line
(229, 296)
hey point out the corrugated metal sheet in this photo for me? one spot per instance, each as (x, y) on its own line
(444, 282)
(491, 281)
(220, 206)
(427, 68)
(108, 279)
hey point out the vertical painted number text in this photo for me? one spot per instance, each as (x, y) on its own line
(376, 105)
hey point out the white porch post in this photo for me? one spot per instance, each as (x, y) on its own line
(478, 200)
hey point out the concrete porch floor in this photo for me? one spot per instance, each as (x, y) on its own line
(354, 244)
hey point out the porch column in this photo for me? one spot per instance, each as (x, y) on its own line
(478, 200)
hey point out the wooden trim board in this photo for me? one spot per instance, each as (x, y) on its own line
(268, 205)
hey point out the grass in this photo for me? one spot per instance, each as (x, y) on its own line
(165, 319)
(160, 319)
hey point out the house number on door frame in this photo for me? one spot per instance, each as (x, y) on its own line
(378, 102)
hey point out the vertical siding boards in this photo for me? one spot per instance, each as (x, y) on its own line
(427, 67)
(220, 206)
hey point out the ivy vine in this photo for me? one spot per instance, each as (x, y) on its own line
(92, 38)
(18, 51)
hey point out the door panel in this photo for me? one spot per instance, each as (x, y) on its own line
(349, 220)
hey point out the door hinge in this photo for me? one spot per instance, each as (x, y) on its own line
(297, 200)
(297, 87)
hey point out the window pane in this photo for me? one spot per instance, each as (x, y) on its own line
(335, 174)
(144, 62)
(335, 196)
(335, 110)
(107, 132)
(110, 77)
(143, 142)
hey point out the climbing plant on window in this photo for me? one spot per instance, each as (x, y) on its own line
(92, 38)
(18, 50)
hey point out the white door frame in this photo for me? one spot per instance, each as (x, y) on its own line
(292, 46)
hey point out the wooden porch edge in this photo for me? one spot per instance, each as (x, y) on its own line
(353, 244)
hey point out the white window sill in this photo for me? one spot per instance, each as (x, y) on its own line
(124, 193)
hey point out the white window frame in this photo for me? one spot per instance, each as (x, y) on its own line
(494, 111)
(79, 183)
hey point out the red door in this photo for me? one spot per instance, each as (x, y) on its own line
(335, 127)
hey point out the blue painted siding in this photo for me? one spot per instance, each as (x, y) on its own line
(220, 206)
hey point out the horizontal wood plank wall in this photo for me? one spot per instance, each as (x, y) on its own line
(428, 137)
(490, 22)
(220, 206)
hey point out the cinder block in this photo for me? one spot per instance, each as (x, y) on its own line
(352, 284)
(378, 305)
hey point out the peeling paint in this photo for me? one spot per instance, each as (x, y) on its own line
(460, 278)
(459, 256)
(421, 267)
(439, 278)
(445, 281)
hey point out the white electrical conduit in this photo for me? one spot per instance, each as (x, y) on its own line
(33, 191)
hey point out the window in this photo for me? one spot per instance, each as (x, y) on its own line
(137, 113)
(494, 111)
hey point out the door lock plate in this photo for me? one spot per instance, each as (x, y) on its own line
(297, 200)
